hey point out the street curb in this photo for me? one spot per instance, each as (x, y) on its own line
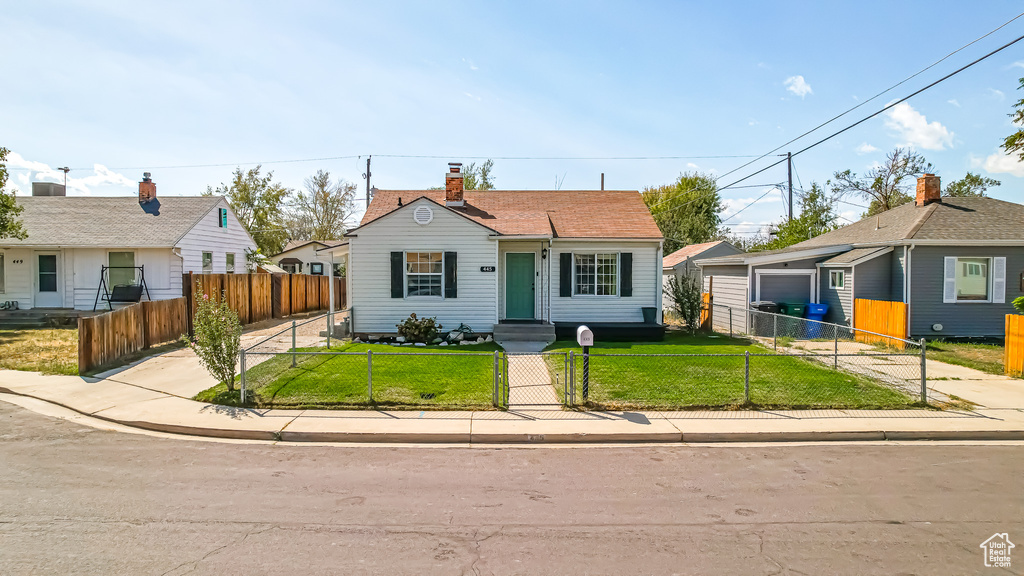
(556, 438)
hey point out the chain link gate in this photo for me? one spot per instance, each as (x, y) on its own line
(532, 380)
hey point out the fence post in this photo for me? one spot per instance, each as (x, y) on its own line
(369, 374)
(775, 332)
(730, 322)
(494, 394)
(572, 376)
(924, 375)
(586, 373)
(241, 361)
(293, 343)
(835, 358)
(746, 377)
(330, 327)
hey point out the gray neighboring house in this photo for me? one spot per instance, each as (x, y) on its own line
(682, 262)
(958, 264)
(71, 238)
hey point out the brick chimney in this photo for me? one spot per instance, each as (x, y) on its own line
(453, 191)
(928, 190)
(147, 189)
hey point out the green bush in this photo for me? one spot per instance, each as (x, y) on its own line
(685, 295)
(419, 329)
(1018, 303)
(218, 339)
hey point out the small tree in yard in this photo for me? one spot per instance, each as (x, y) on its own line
(218, 339)
(685, 295)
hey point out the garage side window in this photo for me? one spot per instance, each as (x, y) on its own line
(837, 279)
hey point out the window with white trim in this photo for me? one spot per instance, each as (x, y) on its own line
(424, 273)
(972, 279)
(837, 279)
(229, 263)
(122, 268)
(207, 262)
(596, 274)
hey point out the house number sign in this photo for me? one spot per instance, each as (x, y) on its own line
(487, 268)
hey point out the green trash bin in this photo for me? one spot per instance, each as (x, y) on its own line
(794, 309)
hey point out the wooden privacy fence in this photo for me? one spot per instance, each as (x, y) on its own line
(881, 317)
(257, 297)
(1013, 349)
(705, 311)
(105, 338)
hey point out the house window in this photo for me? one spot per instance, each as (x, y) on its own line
(423, 273)
(207, 262)
(972, 280)
(596, 274)
(837, 279)
(230, 263)
(2, 284)
(316, 268)
(122, 268)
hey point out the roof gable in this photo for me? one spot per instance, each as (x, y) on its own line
(691, 251)
(555, 213)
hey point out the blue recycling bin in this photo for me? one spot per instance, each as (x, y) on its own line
(815, 312)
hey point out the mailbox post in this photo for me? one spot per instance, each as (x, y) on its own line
(585, 338)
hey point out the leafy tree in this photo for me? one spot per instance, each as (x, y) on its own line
(684, 292)
(888, 185)
(321, 211)
(817, 216)
(217, 339)
(478, 177)
(686, 211)
(969, 185)
(10, 226)
(1014, 143)
(257, 203)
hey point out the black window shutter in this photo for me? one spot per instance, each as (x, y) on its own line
(626, 274)
(565, 275)
(397, 275)
(451, 276)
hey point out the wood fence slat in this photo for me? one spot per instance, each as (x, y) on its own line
(1013, 346)
(881, 317)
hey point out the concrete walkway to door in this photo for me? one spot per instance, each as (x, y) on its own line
(529, 381)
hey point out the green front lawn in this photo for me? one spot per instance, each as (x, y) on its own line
(457, 380)
(985, 357)
(666, 383)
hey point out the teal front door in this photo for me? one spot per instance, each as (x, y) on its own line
(519, 286)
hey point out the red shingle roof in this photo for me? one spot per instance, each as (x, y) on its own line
(558, 213)
(686, 252)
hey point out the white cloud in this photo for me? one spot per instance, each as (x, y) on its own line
(1000, 163)
(477, 98)
(472, 66)
(752, 123)
(797, 85)
(1017, 64)
(954, 102)
(692, 166)
(731, 206)
(865, 148)
(914, 129)
(997, 94)
(33, 171)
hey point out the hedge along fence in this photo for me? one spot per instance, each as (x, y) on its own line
(1013, 350)
(257, 297)
(104, 338)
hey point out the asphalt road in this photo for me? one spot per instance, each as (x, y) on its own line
(77, 500)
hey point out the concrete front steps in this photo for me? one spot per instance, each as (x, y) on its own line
(39, 318)
(540, 332)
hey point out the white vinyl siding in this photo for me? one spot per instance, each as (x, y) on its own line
(369, 271)
(646, 274)
(208, 236)
(730, 287)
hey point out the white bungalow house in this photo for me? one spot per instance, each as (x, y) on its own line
(518, 264)
(71, 239)
(307, 257)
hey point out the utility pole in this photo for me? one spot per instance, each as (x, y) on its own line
(65, 170)
(367, 177)
(789, 166)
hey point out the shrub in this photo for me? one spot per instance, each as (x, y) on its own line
(217, 341)
(1018, 303)
(685, 295)
(418, 329)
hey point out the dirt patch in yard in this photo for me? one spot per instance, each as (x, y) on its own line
(46, 350)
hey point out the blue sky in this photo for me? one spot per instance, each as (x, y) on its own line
(115, 88)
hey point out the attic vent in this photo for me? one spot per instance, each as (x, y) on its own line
(423, 215)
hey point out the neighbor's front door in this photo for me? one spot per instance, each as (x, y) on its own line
(520, 275)
(47, 281)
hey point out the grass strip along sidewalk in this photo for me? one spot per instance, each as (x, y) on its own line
(403, 377)
(669, 383)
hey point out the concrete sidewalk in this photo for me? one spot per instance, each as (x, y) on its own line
(154, 395)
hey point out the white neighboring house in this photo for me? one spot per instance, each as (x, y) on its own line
(307, 257)
(70, 238)
(506, 261)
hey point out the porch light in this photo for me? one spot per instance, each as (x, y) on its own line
(543, 253)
